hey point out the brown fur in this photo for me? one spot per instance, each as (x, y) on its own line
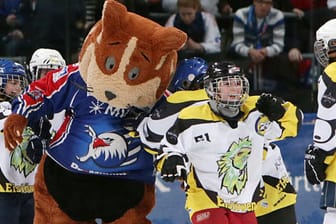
(131, 57)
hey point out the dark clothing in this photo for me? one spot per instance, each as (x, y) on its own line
(16, 208)
(12, 45)
(284, 215)
(195, 30)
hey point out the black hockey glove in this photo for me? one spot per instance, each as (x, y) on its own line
(173, 168)
(270, 106)
(42, 128)
(35, 148)
(133, 118)
(314, 164)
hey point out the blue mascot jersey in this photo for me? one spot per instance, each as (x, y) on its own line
(91, 139)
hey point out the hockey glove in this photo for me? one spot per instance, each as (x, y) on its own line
(173, 168)
(35, 148)
(314, 164)
(133, 118)
(42, 128)
(270, 106)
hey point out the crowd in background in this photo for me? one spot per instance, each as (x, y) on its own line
(27, 25)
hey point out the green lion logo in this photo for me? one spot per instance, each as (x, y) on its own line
(19, 158)
(233, 166)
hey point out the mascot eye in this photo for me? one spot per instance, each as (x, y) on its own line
(110, 62)
(134, 73)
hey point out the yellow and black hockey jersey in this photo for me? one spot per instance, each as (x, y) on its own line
(226, 162)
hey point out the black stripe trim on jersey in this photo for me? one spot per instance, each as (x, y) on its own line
(275, 182)
(180, 126)
(171, 109)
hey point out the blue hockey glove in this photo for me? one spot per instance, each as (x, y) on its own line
(174, 168)
(314, 164)
(270, 106)
(35, 148)
(42, 128)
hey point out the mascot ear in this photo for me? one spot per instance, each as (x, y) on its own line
(166, 40)
(169, 39)
(115, 12)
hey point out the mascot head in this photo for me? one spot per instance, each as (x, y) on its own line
(127, 60)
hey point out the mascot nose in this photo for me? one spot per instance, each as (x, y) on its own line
(109, 95)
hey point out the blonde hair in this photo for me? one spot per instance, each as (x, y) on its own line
(196, 4)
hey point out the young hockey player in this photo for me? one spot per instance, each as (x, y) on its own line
(320, 162)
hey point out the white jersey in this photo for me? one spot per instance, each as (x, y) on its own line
(153, 128)
(227, 161)
(325, 125)
(17, 171)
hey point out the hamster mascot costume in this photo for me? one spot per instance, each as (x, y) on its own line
(94, 168)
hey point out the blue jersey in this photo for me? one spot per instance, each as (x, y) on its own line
(91, 138)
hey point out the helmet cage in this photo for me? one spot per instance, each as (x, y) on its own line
(5, 78)
(321, 52)
(36, 70)
(232, 100)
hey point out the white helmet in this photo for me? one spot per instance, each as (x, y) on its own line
(44, 58)
(325, 42)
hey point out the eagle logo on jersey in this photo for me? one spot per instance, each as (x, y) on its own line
(107, 149)
(232, 166)
(110, 149)
(19, 159)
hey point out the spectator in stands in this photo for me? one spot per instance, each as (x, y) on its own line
(14, 15)
(259, 31)
(258, 37)
(331, 4)
(209, 6)
(202, 29)
(291, 61)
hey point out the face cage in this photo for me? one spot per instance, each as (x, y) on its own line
(37, 70)
(7, 77)
(321, 53)
(236, 98)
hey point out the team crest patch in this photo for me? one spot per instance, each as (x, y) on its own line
(262, 124)
(35, 94)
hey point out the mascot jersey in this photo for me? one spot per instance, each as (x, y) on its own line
(17, 172)
(218, 151)
(325, 124)
(99, 146)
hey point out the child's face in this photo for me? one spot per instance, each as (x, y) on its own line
(188, 14)
(41, 73)
(230, 90)
(13, 87)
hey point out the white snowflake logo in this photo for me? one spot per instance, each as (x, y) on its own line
(96, 107)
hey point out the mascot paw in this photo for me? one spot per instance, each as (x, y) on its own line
(13, 128)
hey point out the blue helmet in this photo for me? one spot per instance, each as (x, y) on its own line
(14, 72)
(189, 75)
